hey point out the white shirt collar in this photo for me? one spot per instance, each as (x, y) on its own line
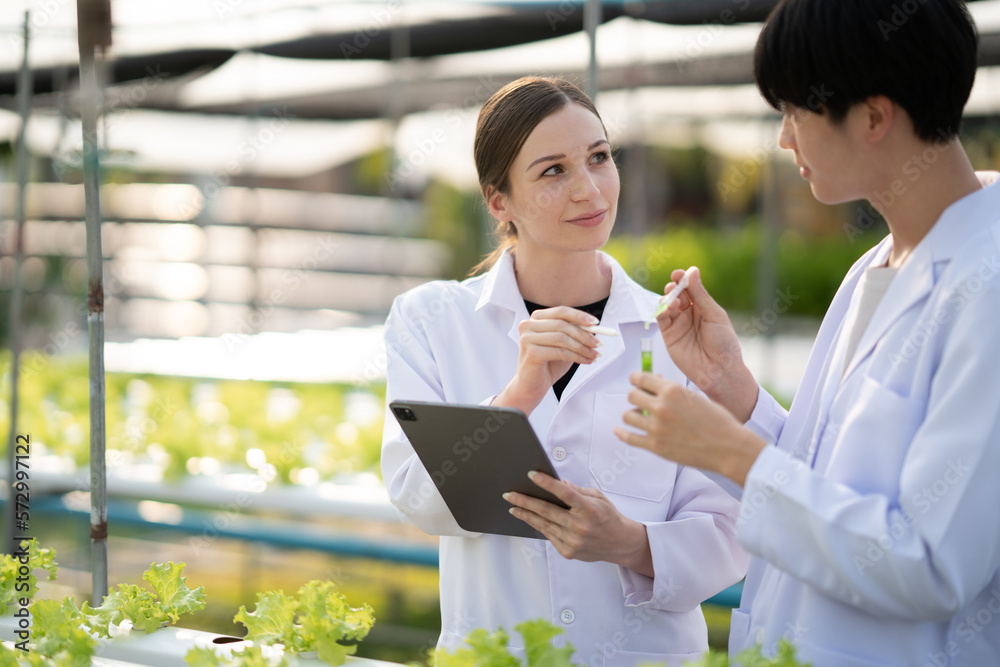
(628, 303)
(960, 221)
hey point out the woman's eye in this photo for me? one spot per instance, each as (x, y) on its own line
(552, 171)
(602, 156)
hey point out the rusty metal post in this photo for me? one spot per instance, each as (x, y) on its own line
(94, 32)
(24, 84)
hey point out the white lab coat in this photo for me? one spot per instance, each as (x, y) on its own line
(458, 342)
(873, 521)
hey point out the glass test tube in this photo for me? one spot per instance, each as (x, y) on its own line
(646, 346)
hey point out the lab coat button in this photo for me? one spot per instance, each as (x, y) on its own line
(567, 616)
(559, 453)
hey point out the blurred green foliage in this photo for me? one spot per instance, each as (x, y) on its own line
(809, 269)
(191, 425)
(459, 219)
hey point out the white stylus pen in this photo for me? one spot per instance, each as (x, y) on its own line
(668, 299)
(601, 331)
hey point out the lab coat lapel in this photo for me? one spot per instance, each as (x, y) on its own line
(501, 293)
(626, 304)
(844, 305)
(918, 276)
(611, 348)
(832, 377)
(910, 286)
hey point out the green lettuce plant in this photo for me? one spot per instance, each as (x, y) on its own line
(13, 588)
(60, 637)
(318, 619)
(63, 635)
(146, 611)
(489, 649)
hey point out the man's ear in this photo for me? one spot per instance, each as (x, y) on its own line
(497, 204)
(881, 114)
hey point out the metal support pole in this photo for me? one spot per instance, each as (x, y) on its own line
(94, 31)
(591, 19)
(12, 528)
(399, 57)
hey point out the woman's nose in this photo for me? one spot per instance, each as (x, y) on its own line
(584, 187)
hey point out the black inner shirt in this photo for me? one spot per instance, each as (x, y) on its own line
(596, 309)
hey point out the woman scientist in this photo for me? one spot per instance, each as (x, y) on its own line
(870, 508)
(645, 541)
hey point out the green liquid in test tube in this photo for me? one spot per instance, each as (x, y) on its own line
(646, 346)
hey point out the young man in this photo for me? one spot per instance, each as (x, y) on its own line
(869, 508)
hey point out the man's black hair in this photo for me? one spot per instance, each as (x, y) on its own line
(827, 55)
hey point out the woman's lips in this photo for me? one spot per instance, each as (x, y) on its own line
(591, 219)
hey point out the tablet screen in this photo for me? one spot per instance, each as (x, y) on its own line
(474, 455)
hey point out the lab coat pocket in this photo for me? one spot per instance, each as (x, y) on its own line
(620, 468)
(634, 658)
(874, 438)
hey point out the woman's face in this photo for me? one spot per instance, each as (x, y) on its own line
(562, 186)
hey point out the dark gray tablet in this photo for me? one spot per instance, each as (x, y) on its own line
(475, 454)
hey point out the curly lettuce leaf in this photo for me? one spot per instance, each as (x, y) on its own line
(358, 621)
(272, 620)
(146, 610)
(751, 657)
(538, 648)
(326, 619)
(57, 633)
(486, 649)
(202, 656)
(317, 619)
(39, 558)
(783, 657)
(489, 649)
(8, 658)
(43, 558)
(709, 659)
(125, 601)
(318, 630)
(175, 596)
(8, 577)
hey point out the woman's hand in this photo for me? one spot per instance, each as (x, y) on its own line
(592, 529)
(702, 342)
(684, 427)
(551, 342)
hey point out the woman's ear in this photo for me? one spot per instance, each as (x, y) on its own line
(497, 204)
